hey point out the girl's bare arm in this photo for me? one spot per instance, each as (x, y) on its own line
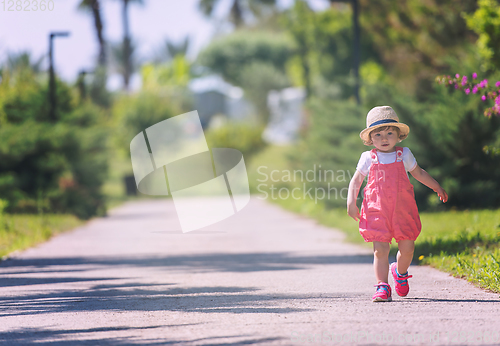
(352, 195)
(422, 176)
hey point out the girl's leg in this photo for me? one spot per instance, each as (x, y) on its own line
(381, 261)
(405, 255)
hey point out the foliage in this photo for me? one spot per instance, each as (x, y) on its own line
(18, 232)
(331, 147)
(324, 53)
(176, 73)
(169, 50)
(163, 95)
(300, 24)
(133, 114)
(415, 39)
(485, 22)
(483, 89)
(23, 61)
(258, 79)
(228, 55)
(243, 137)
(254, 61)
(57, 166)
(463, 243)
(240, 9)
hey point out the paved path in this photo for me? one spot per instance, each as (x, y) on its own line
(273, 278)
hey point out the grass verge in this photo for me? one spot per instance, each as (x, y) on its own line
(19, 232)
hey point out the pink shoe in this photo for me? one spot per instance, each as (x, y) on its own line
(401, 281)
(383, 293)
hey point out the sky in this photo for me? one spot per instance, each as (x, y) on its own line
(150, 24)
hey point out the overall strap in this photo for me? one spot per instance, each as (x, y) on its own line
(373, 155)
(399, 154)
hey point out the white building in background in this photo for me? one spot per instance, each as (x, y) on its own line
(213, 96)
(286, 109)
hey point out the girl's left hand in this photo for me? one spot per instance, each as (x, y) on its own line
(443, 196)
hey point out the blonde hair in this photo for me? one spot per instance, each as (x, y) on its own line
(383, 128)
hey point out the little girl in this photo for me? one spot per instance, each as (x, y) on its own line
(389, 209)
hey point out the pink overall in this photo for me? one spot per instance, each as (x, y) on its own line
(389, 209)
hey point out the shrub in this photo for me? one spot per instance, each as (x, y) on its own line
(57, 166)
(245, 138)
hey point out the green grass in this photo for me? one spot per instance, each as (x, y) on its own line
(19, 232)
(465, 244)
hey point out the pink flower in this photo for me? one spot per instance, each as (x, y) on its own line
(457, 76)
(467, 91)
(497, 100)
(456, 86)
(483, 98)
(474, 75)
(474, 90)
(497, 84)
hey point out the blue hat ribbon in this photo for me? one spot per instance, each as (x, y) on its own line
(384, 121)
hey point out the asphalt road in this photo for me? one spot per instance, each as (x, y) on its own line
(264, 276)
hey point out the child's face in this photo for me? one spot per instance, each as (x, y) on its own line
(385, 140)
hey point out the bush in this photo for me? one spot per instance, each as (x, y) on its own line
(132, 114)
(331, 147)
(164, 94)
(245, 138)
(56, 166)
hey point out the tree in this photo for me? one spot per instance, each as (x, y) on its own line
(254, 61)
(239, 9)
(127, 48)
(169, 50)
(98, 92)
(94, 7)
(228, 55)
(61, 165)
(486, 23)
(123, 64)
(416, 39)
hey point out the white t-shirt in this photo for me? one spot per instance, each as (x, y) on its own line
(365, 160)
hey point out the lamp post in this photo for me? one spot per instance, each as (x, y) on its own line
(81, 83)
(52, 78)
(356, 44)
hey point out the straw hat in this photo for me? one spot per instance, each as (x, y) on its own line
(380, 117)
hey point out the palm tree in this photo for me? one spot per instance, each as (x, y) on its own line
(127, 43)
(169, 50)
(98, 92)
(239, 8)
(121, 63)
(94, 7)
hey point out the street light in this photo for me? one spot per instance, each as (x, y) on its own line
(81, 83)
(52, 79)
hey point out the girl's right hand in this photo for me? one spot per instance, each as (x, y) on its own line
(443, 196)
(353, 211)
